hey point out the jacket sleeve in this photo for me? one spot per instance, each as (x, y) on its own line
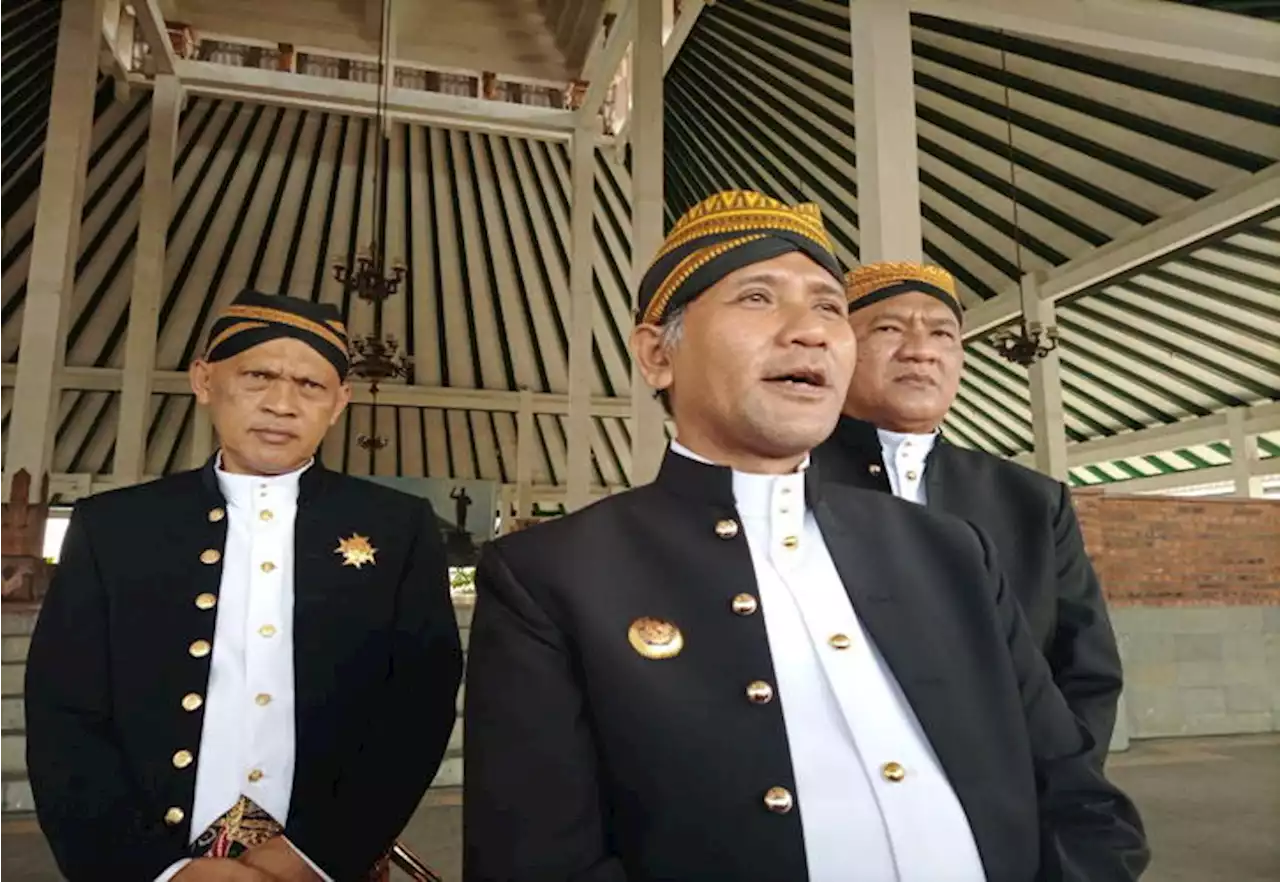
(382, 784)
(1090, 831)
(532, 807)
(1083, 654)
(89, 806)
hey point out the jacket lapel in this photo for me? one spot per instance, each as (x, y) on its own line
(935, 475)
(897, 615)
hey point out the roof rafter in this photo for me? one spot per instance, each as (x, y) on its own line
(1250, 197)
(286, 89)
(1258, 419)
(1172, 31)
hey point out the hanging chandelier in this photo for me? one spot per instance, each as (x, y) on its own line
(376, 357)
(1028, 341)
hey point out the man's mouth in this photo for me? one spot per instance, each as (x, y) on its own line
(275, 436)
(801, 378)
(917, 380)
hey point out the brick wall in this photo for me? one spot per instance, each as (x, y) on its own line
(1163, 551)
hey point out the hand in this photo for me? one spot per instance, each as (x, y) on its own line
(279, 861)
(220, 870)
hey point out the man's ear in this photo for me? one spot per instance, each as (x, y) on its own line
(344, 398)
(654, 359)
(201, 376)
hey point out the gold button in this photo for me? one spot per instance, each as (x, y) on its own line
(874, 469)
(265, 514)
(206, 601)
(262, 699)
(192, 701)
(911, 476)
(759, 692)
(210, 556)
(174, 816)
(267, 566)
(778, 800)
(791, 543)
(216, 514)
(839, 641)
(199, 649)
(893, 772)
(267, 630)
(255, 776)
(182, 759)
(726, 528)
(745, 604)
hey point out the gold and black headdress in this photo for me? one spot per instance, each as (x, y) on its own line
(254, 318)
(724, 233)
(875, 282)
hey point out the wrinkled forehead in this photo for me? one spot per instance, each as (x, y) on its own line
(287, 356)
(908, 306)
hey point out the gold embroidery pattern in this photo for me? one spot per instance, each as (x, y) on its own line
(873, 276)
(335, 336)
(687, 267)
(735, 211)
(231, 331)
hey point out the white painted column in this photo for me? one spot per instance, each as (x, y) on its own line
(56, 242)
(524, 455)
(148, 282)
(884, 112)
(582, 313)
(1044, 379)
(202, 438)
(648, 438)
(1244, 456)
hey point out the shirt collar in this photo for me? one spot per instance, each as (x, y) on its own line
(920, 444)
(238, 489)
(754, 493)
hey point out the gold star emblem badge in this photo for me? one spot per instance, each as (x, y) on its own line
(356, 551)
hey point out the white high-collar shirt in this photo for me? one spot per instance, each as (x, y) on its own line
(247, 742)
(904, 460)
(845, 716)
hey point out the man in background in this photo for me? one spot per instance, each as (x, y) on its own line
(908, 319)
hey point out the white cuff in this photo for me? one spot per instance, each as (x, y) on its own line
(310, 863)
(173, 870)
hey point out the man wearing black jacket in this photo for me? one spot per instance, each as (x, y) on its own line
(246, 672)
(908, 319)
(741, 673)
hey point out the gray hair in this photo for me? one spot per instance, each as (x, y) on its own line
(672, 330)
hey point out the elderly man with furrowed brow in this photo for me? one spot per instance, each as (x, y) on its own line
(738, 673)
(247, 672)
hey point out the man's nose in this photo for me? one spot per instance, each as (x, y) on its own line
(281, 399)
(919, 344)
(806, 326)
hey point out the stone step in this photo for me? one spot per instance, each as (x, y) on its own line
(13, 754)
(13, 675)
(13, 717)
(17, 795)
(18, 620)
(13, 647)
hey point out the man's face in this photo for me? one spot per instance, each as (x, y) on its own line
(760, 369)
(909, 359)
(271, 405)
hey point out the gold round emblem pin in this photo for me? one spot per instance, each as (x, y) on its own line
(654, 638)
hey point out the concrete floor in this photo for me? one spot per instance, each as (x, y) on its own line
(1211, 805)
